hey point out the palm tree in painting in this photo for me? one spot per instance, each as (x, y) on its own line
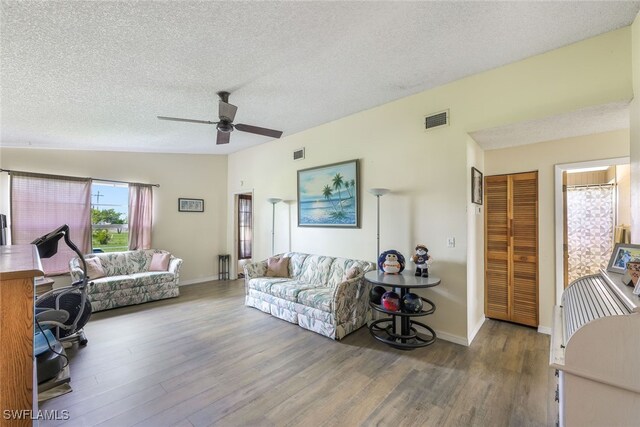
(347, 186)
(338, 182)
(353, 186)
(327, 193)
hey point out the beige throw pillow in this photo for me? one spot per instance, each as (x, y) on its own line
(278, 267)
(94, 268)
(160, 262)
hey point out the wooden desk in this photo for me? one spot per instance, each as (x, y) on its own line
(19, 265)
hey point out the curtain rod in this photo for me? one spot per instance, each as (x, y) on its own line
(9, 171)
(589, 185)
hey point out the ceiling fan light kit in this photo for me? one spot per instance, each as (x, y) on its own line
(225, 125)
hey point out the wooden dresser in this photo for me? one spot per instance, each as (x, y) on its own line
(19, 265)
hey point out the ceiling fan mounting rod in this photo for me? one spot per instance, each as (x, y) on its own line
(224, 96)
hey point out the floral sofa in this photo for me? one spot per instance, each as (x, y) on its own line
(315, 296)
(128, 280)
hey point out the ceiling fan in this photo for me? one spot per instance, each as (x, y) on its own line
(226, 114)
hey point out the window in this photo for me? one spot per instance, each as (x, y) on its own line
(41, 204)
(109, 217)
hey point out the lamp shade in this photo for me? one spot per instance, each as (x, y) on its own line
(273, 200)
(379, 191)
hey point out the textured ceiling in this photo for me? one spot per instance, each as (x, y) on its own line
(94, 75)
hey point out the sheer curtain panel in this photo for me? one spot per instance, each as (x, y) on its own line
(140, 216)
(42, 203)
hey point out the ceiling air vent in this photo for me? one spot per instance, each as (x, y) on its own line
(298, 154)
(437, 120)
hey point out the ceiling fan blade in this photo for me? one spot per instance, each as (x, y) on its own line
(176, 119)
(226, 110)
(223, 137)
(258, 130)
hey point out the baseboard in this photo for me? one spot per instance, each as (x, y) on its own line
(475, 331)
(544, 330)
(452, 338)
(198, 280)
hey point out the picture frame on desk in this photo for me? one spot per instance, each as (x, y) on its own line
(622, 254)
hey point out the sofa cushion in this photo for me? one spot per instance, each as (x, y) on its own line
(339, 268)
(151, 278)
(316, 269)
(277, 267)
(114, 263)
(289, 290)
(94, 268)
(111, 283)
(160, 261)
(320, 298)
(263, 284)
(296, 260)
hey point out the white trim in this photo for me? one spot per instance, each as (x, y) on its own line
(559, 224)
(198, 280)
(475, 331)
(544, 330)
(452, 338)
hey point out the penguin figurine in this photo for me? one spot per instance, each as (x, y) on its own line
(421, 259)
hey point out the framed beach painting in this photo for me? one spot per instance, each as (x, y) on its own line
(329, 196)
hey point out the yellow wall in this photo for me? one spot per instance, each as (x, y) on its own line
(623, 179)
(427, 172)
(197, 238)
(543, 157)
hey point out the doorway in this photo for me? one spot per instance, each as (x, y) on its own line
(592, 214)
(243, 231)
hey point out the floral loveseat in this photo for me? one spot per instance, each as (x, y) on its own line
(128, 280)
(316, 295)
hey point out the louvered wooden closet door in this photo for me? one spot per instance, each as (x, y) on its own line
(511, 247)
(524, 243)
(497, 251)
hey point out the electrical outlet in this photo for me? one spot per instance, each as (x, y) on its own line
(451, 242)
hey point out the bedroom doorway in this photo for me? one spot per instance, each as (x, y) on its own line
(243, 231)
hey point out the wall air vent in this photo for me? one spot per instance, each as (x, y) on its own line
(298, 154)
(437, 120)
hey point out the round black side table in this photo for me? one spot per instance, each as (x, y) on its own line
(400, 330)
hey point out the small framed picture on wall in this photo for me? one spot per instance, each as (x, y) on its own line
(476, 186)
(190, 205)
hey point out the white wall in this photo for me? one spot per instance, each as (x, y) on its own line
(195, 237)
(475, 247)
(543, 157)
(428, 172)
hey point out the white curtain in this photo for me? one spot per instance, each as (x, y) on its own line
(590, 225)
(42, 203)
(140, 216)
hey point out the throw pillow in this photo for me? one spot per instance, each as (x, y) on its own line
(278, 267)
(160, 261)
(94, 268)
(351, 273)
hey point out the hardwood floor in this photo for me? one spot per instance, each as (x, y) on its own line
(205, 359)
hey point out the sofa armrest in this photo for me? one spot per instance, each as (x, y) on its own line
(174, 267)
(75, 270)
(253, 270)
(351, 300)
